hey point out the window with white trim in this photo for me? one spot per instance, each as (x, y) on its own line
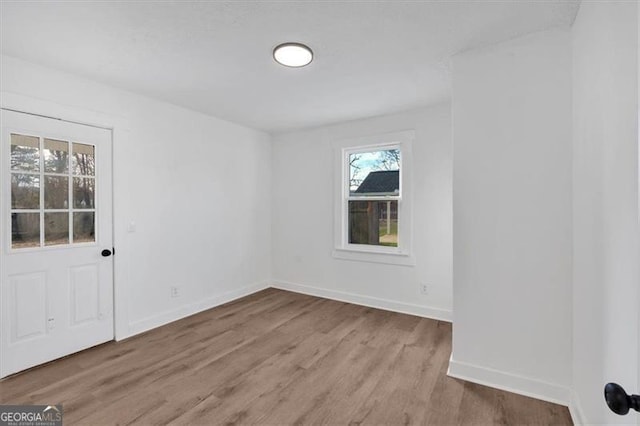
(373, 206)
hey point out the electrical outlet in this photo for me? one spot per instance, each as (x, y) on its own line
(175, 292)
(424, 289)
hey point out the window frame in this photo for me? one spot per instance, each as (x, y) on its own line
(343, 249)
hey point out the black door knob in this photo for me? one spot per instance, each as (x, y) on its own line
(106, 253)
(618, 400)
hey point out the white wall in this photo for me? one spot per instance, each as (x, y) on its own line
(512, 215)
(606, 257)
(303, 225)
(198, 189)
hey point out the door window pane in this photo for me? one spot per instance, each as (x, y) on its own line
(84, 227)
(60, 173)
(25, 153)
(56, 192)
(373, 223)
(83, 193)
(25, 191)
(25, 230)
(56, 156)
(56, 229)
(84, 159)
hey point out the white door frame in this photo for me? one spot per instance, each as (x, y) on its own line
(119, 128)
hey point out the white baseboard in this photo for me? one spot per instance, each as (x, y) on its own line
(184, 311)
(372, 302)
(509, 382)
(575, 409)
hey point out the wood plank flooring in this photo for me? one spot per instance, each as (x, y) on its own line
(276, 357)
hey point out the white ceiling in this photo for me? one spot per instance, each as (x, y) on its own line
(371, 58)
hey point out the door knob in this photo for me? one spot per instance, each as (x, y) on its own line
(106, 253)
(619, 401)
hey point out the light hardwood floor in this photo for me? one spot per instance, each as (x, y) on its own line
(276, 357)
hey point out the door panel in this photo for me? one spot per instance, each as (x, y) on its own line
(28, 305)
(85, 294)
(56, 216)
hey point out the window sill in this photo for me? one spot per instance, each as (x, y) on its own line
(389, 258)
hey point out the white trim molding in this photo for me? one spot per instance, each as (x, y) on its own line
(386, 258)
(509, 382)
(575, 409)
(372, 302)
(169, 316)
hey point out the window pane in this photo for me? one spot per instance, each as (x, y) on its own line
(56, 156)
(56, 192)
(84, 227)
(25, 153)
(25, 191)
(84, 159)
(56, 229)
(373, 223)
(375, 173)
(25, 230)
(83, 193)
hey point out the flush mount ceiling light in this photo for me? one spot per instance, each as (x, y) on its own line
(293, 55)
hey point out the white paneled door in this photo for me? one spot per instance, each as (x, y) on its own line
(56, 263)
